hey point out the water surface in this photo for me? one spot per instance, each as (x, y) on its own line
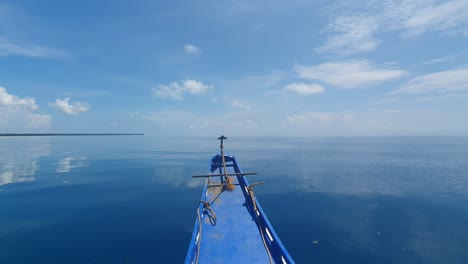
(130, 199)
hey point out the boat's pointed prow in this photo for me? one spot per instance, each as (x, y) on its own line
(231, 226)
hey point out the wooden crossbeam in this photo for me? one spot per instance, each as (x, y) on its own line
(222, 174)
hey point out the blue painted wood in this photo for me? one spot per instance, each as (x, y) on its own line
(235, 236)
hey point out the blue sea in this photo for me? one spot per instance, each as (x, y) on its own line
(131, 199)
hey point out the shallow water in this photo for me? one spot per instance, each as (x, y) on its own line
(130, 199)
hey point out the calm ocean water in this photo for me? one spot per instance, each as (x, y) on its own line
(125, 199)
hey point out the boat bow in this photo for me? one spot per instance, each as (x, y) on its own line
(231, 226)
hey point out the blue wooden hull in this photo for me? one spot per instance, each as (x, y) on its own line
(231, 226)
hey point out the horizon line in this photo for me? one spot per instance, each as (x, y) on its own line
(67, 134)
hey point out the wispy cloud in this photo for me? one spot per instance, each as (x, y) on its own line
(438, 82)
(438, 60)
(442, 97)
(305, 89)
(239, 104)
(177, 91)
(354, 34)
(191, 49)
(169, 118)
(445, 58)
(349, 74)
(377, 122)
(265, 84)
(234, 8)
(323, 117)
(424, 16)
(201, 124)
(17, 31)
(356, 26)
(74, 108)
(8, 48)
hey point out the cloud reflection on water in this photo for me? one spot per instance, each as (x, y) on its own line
(68, 163)
(176, 176)
(19, 161)
(366, 200)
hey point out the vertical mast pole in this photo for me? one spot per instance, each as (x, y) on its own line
(222, 138)
(227, 180)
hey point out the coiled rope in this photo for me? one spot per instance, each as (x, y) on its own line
(212, 216)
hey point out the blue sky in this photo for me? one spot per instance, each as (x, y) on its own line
(202, 68)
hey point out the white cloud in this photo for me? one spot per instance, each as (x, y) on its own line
(356, 28)
(119, 125)
(438, 82)
(18, 113)
(261, 82)
(64, 106)
(305, 89)
(195, 87)
(14, 102)
(355, 34)
(447, 57)
(177, 91)
(323, 117)
(374, 122)
(239, 104)
(170, 118)
(370, 122)
(183, 122)
(19, 120)
(9, 48)
(438, 60)
(348, 75)
(37, 120)
(191, 49)
(173, 90)
(434, 16)
(442, 97)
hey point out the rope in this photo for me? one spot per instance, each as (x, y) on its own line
(252, 196)
(199, 236)
(212, 216)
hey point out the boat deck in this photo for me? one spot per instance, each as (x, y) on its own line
(235, 237)
(234, 228)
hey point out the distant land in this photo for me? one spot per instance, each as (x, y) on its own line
(67, 134)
